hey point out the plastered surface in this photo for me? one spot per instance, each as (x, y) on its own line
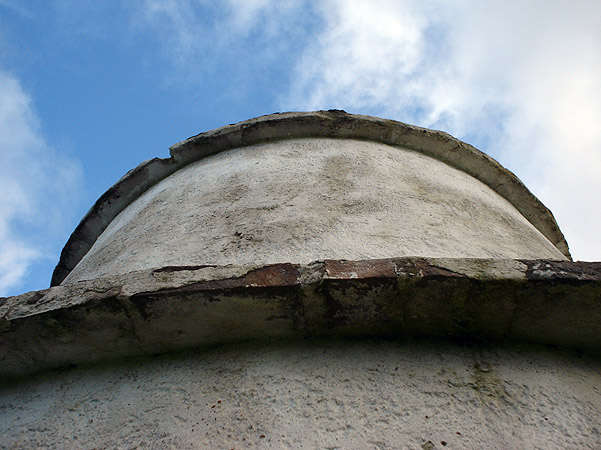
(316, 395)
(282, 126)
(306, 199)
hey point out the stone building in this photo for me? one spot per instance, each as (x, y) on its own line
(314, 280)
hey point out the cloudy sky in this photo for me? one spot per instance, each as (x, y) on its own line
(89, 89)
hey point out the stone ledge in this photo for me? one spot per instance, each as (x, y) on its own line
(174, 308)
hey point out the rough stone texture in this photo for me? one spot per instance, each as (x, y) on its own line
(335, 394)
(174, 308)
(301, 200)
(330, 124)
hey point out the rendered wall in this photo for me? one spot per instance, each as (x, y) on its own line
(308, 199)
(317, 394)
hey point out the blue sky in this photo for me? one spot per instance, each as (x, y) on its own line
(90, 89)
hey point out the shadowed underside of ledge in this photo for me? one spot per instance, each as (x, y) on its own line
(174, 308)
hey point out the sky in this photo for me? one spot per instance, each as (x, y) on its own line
(89, 89)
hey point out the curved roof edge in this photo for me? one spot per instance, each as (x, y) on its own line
(333, 124)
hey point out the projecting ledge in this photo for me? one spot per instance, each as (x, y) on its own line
(174, 308)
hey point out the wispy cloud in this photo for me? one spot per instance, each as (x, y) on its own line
(522, 80)
(39, 187)
(369, 55)
(242, 48)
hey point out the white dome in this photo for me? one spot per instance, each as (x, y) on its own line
(300, 187)
(308, 199)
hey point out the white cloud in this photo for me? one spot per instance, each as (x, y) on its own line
(38, 187)
(522, 79)
(363, 53)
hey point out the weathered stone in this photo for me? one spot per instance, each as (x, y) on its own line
(174, 308)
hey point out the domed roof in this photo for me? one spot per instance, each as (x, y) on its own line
(297, 187)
